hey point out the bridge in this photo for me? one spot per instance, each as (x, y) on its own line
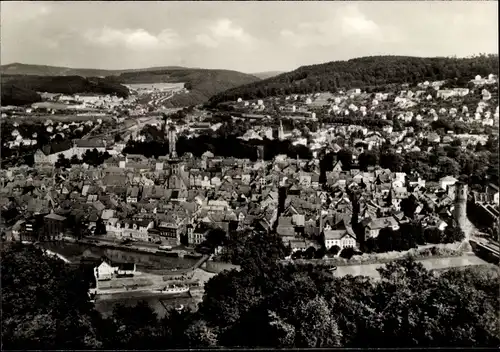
(490, 247)
(200, 262)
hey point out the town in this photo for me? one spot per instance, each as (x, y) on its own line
(347, 185)
(204, 175)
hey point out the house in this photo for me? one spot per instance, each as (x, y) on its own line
(171, 230)
(337, 166)
(373, 226)
(343, 237)
(50, 153)
(492, 190)
(132, 194)
(447, 181)
(198, 235)
(81, 146)
(108, 270)
(54, 225)
(133, 229)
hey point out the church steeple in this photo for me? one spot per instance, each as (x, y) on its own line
(172, 141)
(281, 133)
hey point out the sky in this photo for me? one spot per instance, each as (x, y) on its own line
(243, 36)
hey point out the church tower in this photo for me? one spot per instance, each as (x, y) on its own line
(281, 133)
(172, 140)
(460, 211)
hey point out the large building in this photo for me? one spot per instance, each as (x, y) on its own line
(50, 153)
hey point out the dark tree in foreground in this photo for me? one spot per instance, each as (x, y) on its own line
(45, 303)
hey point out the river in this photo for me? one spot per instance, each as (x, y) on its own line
(146, 262)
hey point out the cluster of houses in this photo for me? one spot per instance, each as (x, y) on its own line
(407, 105)
(177, 201)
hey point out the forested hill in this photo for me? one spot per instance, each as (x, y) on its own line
(21, 90)
(201, 83)
(362, 73)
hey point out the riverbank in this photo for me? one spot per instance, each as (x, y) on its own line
(434, 264)
(427, 252)
(159, 302)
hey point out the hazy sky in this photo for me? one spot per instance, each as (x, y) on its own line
(243, 36)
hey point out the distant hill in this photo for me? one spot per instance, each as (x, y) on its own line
(268, 74)
(201, 83)
(362, 73)
(42, 70)
(22, 90)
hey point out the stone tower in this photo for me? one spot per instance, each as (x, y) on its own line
(172, 140)
(460, 211)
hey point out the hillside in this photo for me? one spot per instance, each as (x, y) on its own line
(23, 89)
(268, 74)
(362, 73)
(202, 84)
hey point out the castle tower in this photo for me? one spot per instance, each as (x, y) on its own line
(172, 140)
(460, 211)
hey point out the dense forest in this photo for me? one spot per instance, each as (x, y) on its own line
(45, 306)
(12, 94)
(26, 86)
(364, 73)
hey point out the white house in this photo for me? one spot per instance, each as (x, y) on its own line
(447, 181)
(341, 238)
(108, 270)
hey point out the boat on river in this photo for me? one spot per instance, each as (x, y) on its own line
(174, 289)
